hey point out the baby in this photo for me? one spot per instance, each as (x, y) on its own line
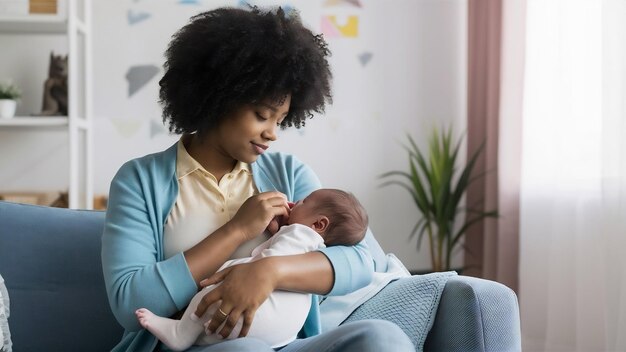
(327, 217)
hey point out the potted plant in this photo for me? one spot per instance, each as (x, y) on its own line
(437, 188)
(9, 95)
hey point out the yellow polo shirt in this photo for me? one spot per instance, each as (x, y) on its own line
(203, 204)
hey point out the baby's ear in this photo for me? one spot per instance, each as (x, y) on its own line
(321, 224)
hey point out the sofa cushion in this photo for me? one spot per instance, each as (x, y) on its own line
(50, 259)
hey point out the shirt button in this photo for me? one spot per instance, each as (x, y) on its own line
(230, 177)
(222, 210)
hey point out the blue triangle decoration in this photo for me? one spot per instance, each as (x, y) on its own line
(139, 76)
(156, 129)
(365, 58)
(136, 17)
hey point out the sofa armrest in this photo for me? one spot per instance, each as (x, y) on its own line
(475, 315)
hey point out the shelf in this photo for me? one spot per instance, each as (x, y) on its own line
(33, 24)
(39, 121)
(72, 25)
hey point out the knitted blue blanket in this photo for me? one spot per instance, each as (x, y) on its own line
(409, 302)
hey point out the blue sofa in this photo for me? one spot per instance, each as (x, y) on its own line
(50, 260)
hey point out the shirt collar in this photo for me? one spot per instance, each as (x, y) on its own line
(186, 164)
(241, 167)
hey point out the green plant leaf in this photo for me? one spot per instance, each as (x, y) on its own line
(420, 229)
(463, 182)
(419, 223)
(428, 177)
(421, 194)
(468, 224)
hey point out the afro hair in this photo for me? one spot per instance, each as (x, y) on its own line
(228, 57)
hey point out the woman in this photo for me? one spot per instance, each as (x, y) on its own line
(233, 77)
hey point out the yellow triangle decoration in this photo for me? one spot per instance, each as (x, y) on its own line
(348, 29)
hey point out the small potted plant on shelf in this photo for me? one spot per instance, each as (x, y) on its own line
(437, 184)
(9, 95)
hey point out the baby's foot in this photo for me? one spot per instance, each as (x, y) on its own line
(177, 335)
(145, 317)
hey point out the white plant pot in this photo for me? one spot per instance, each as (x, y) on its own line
(7, 108)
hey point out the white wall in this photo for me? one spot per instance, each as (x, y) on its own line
(415, 80)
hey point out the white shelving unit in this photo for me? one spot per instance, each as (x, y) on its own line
(73, 21)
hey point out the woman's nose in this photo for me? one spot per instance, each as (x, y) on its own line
(270, 133)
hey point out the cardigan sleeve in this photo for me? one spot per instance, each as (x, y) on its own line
(134, 276)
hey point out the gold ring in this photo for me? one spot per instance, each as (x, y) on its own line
(222, 312)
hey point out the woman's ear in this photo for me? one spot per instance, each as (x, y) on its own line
(321, 224)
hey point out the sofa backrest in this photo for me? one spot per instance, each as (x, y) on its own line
(50, 261)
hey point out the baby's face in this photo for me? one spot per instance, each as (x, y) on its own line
(303, 211)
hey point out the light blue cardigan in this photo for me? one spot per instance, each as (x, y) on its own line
(135, 273)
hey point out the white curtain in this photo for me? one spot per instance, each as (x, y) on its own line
(573, 187)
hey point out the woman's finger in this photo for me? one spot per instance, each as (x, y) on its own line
(248, 316)
(208, 300)
(271, 194)
(231, 322)
(273, 227)
(219, 317)
(278, 208)
(215, 278)
(278, 201)
(278, 221)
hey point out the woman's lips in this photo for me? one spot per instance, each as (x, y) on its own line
(259, 148)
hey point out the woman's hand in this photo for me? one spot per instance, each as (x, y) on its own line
(257, 212)
(279, 221)
(254, 215)
(243, 289)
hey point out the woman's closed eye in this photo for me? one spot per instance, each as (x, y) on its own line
(261, 117)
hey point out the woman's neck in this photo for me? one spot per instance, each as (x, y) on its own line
(209, 156)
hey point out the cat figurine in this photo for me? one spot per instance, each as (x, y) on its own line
(55, 87)
(63, 201)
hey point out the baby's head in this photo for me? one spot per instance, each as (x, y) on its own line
(336, 215)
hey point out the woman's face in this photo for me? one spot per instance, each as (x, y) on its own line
(249, 131)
